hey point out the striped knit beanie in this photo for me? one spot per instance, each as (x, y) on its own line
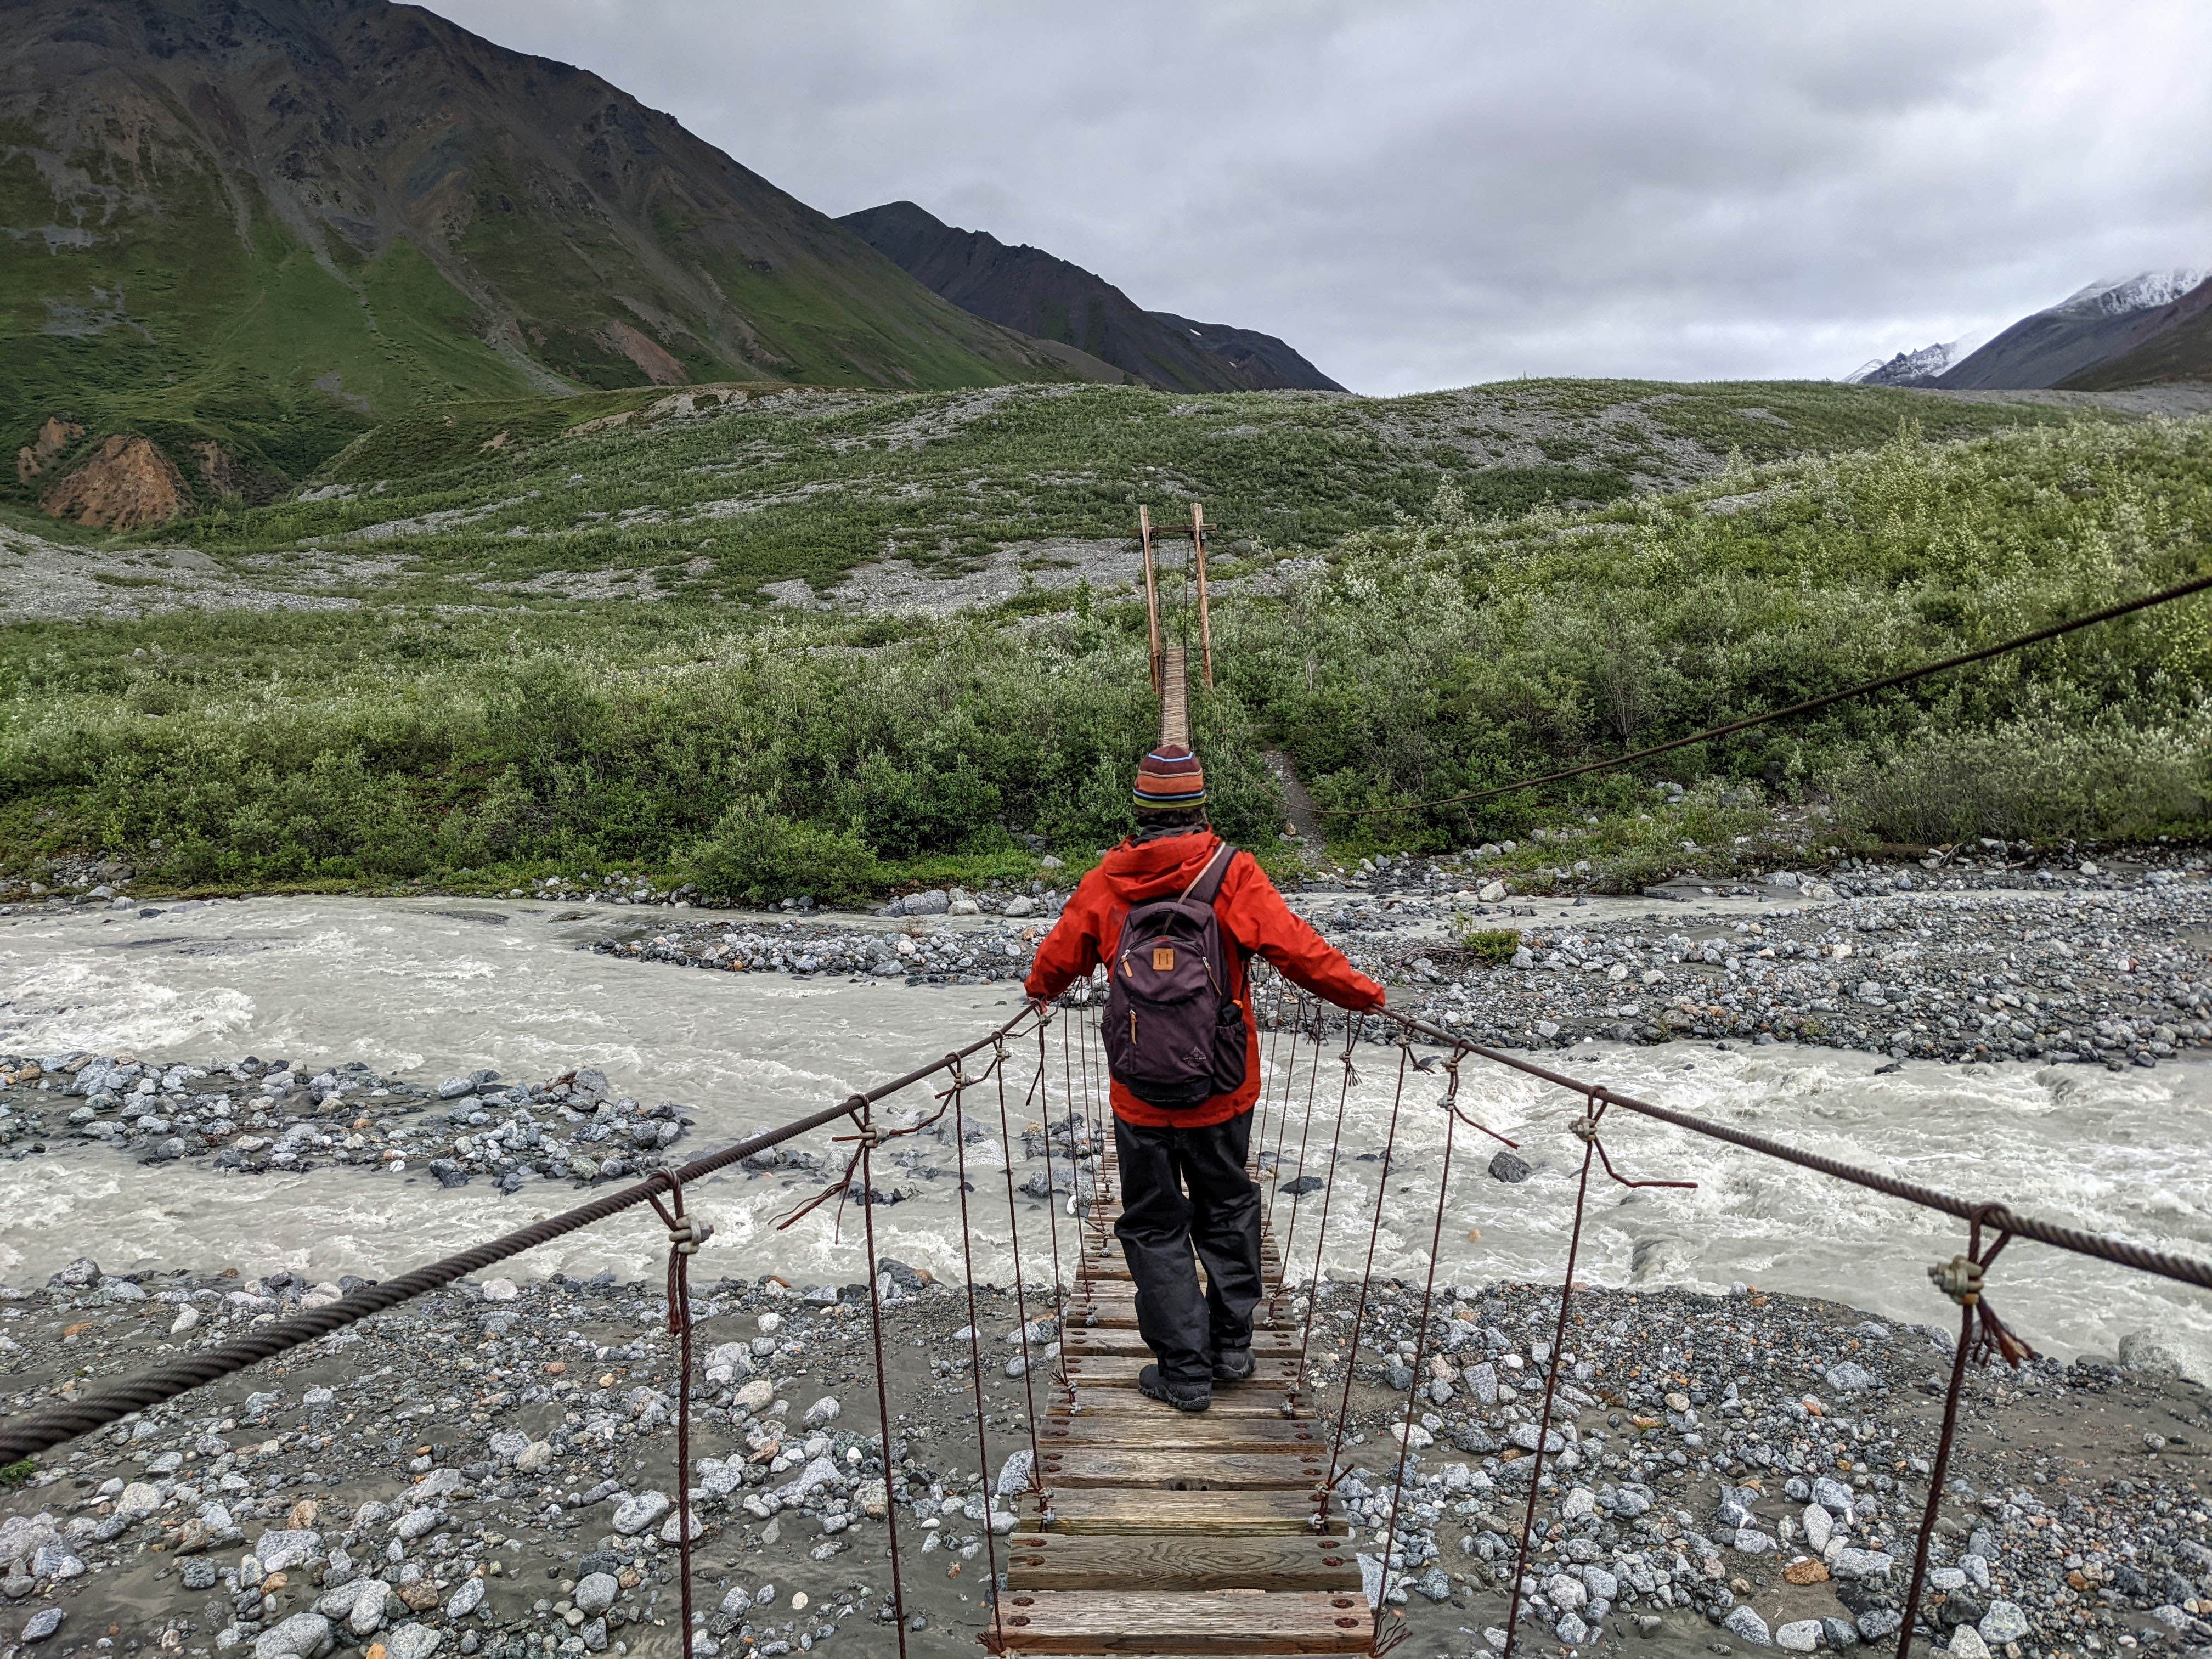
(1169, 778)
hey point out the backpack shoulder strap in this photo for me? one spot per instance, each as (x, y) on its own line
(1207, 885)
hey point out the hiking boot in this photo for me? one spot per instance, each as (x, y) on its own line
(1234, 1366)
(1184, 1398)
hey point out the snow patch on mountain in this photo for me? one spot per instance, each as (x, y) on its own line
(2145, 291)
(1907, 367)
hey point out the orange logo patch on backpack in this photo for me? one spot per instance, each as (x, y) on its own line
(1163, 958)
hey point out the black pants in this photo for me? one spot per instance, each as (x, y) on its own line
(1160, 1227)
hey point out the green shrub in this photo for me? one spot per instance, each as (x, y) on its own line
(1493, 947)
(2039, 778)
(759, 856)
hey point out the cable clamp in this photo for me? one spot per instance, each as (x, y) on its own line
(1960, 1278)
(687, 1233)
(1585, 1128)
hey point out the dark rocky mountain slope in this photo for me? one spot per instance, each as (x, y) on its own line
(2091, 326)
(2173, 344)
(1027, 288)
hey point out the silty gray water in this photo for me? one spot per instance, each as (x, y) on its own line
(430, 988)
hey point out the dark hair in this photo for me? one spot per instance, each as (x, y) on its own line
(1170, 821)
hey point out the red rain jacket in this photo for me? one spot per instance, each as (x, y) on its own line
(1253, 917)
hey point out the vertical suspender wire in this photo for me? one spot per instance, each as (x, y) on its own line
(1270, 1068)
(1305, 1132)
(1092, 1125)
(974, 1348)
(1413, 1392)
(684, 1237)
(1941, 1466)
(1021, 1292)
(1282, 1111)
(883, 1391)
(1102, 1093)
(1327, 1191)
(1544, 1421)
(1366, 1276)
(1051, 1188)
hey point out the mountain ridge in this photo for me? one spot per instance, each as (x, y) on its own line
(266, 222)
(2089, 326)
(2173, 344)
(2105, 336)
(1047, 297)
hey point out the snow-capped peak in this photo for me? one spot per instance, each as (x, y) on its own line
(1907, 367)
(2145, 291)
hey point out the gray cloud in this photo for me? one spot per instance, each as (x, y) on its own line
(1421, 195)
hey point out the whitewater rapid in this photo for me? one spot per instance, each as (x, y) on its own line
(430, 988)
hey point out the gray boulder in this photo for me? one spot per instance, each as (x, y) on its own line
(303, 1636)
(596, 1592)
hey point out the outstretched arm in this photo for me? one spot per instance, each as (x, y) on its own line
(1255, 912)
(1070, 951)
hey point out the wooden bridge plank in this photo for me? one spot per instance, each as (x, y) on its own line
(1178, 1431)
(1102, 1341)
(1062, 1561)
(1145, 1510)
(1186, 1622)
(1212, 1470)
(1104, 1399)
(1120, 1371)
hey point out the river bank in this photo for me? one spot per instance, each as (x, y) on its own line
(2087, 965)
(488, 1470)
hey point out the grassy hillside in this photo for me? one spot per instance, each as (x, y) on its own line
(264, 225)
(711, 500)
(1441, 650)
(186, 325)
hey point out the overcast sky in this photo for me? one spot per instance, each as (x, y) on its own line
(1421, 195)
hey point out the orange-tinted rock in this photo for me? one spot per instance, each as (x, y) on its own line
(651, 357)
(128, 484)
(35, 457)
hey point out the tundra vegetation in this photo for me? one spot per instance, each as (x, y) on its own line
(1424, 597)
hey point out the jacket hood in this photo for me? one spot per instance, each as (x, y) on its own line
(1139, 870)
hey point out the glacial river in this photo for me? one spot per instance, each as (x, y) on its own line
(431, 988)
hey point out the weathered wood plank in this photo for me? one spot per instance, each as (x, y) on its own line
(1120, 1371)
(1105, 1400)
(1212, 1470)
(1179, 1432)
(1186, 1622)
(1102, 1339)
(1063, 1561)
(1152, 1510)
(1116, 1305)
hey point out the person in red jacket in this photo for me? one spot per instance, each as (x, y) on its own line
(1183, 1184)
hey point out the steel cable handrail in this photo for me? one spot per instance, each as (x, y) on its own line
(2186, 1269)
(28, 1433)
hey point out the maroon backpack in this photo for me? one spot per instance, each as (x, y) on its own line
(1174, 1036)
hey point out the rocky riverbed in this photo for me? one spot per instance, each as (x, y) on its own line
(1981, 963)
(489, 1470)
(254, 1116)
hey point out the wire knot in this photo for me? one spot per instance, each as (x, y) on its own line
(1960, 1278)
